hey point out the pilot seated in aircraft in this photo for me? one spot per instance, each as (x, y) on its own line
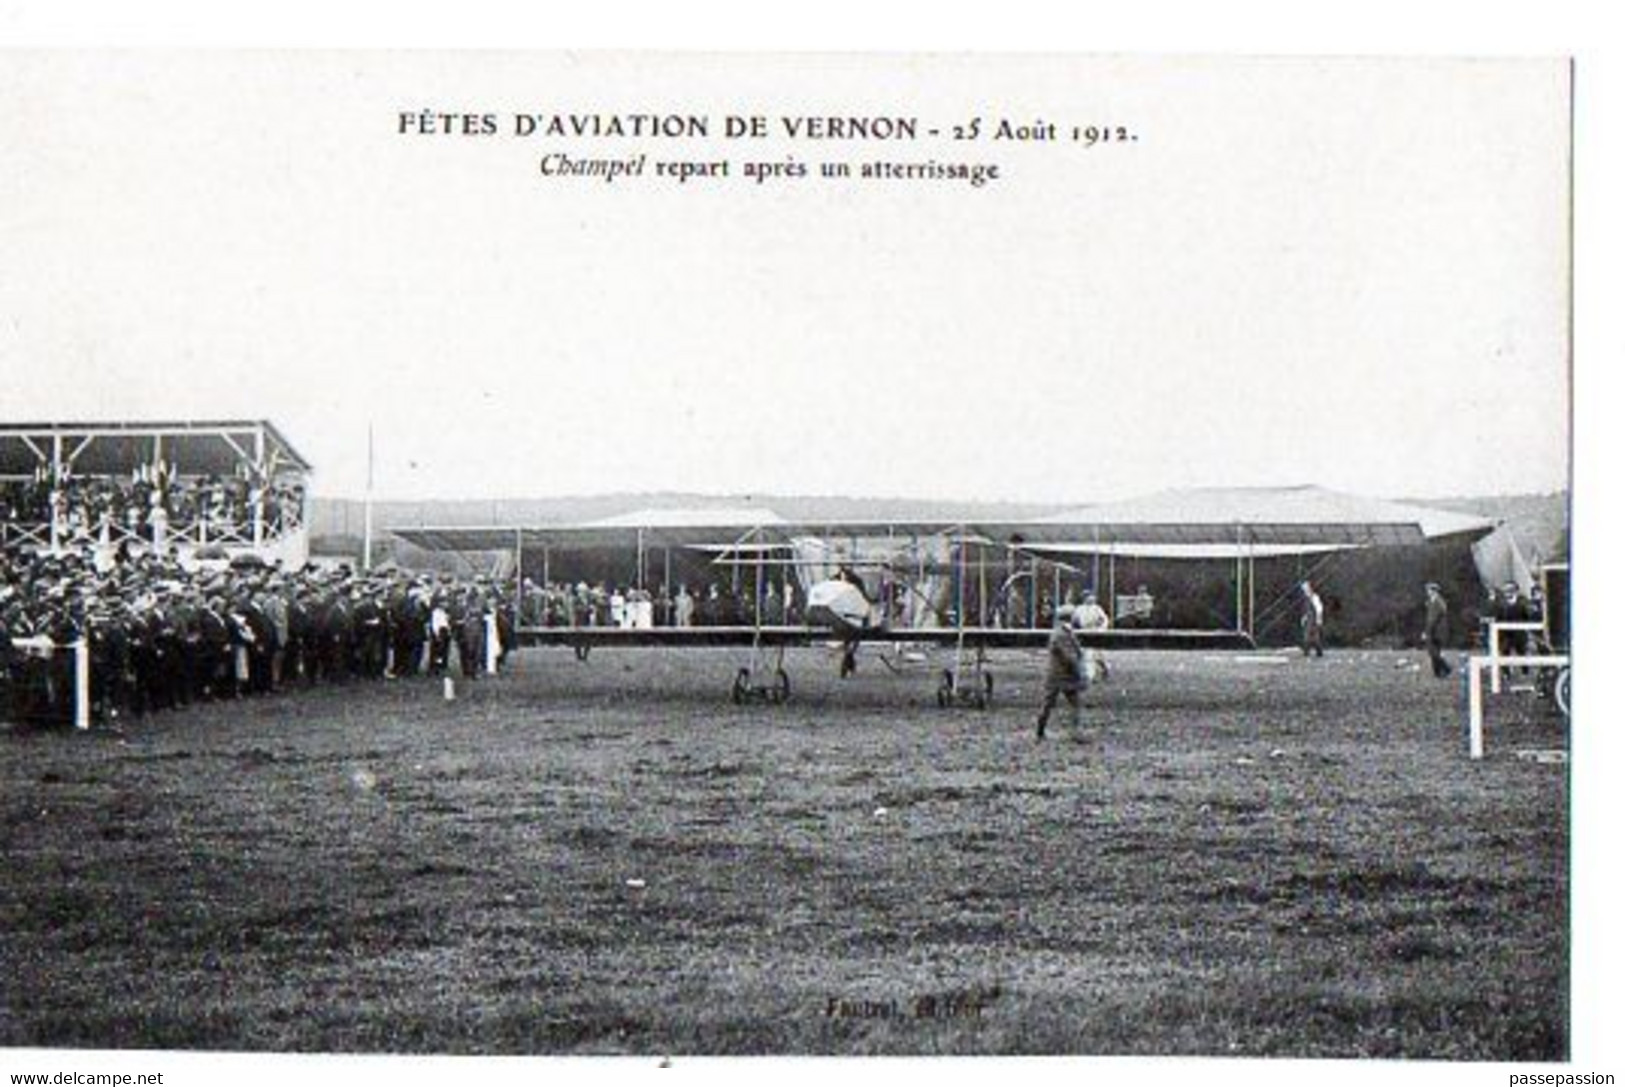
(1064, 678)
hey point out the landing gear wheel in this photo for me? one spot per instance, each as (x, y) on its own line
(781, 686)
(1560, 692)
(741, 687)
(945, 690)
(986, 698)
(582, 651)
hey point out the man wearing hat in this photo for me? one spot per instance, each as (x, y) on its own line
(9, 656)
(1435, 629)
(1064, 677)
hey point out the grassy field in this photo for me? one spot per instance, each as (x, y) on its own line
(1244, 858)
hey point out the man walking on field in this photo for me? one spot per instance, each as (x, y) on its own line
(1064, 677)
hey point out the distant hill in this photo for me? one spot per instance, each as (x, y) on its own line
(1539, 522)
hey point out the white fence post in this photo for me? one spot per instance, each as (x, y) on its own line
(1475, 704)
(81, 683)
(1475, 689)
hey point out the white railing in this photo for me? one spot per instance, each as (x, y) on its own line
(1522, 626)
(1475, 689)
(43, 647)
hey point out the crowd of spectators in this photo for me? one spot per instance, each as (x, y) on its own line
(152, 507)
(162, 636)
(561, 604)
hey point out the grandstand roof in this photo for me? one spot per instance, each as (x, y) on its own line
(197, 447)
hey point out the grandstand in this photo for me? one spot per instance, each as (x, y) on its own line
(196, 489)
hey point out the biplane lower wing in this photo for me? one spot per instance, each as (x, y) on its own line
(792, 636)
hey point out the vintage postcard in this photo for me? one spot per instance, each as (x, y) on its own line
(695, 555)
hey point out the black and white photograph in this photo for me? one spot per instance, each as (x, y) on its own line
(677, 555)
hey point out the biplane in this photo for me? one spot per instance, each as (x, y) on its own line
(960, 587)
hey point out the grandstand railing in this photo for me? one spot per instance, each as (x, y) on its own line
(199, 531)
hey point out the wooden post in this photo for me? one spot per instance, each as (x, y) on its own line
(56, 484)
(981, 586)
(258, 491)
(518, 578)
(1239, 626)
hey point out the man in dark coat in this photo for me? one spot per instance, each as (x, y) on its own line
(1064, 676)
(261, 646)
(109, 652)
(408, 617)
(1436, 629)
(9, 657)
(371, 637)
(335, 630)
(301, 655)
(213, 667)
(138, 633)
(183, 616)
(166, 650)
(471, 636)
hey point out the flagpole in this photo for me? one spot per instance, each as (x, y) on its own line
(366, 508)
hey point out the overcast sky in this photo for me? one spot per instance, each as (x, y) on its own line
(1351, 273)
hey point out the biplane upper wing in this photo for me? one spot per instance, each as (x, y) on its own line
(1021, 535)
